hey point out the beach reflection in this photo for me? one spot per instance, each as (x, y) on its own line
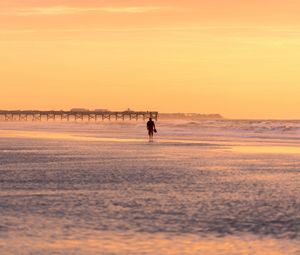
(266, 149)
(107, 243)
(63, 136)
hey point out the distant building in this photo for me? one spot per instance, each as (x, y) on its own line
(128, 110)
(101, 110)
(79, 110)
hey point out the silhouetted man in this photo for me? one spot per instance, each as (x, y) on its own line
(151, 128)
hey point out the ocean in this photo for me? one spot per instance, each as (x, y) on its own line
(211, 187)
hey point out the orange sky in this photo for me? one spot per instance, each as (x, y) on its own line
(240, 58)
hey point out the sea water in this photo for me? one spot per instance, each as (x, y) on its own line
(202, 187)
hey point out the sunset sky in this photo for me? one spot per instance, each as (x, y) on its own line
(239, 58)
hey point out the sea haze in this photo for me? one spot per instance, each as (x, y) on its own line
(202, 187)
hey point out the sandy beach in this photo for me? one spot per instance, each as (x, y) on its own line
(207, 187)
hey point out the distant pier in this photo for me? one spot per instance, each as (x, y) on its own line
(75, 115)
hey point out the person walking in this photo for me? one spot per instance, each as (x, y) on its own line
(151, 129)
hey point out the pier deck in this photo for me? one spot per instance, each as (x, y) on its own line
(74, 115)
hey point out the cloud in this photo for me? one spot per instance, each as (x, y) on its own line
(130, 9)
(64, 10)
(230, 29)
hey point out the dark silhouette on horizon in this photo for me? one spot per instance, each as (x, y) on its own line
(74, 114)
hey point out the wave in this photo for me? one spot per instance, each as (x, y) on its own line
(242, 126)
(286, 129)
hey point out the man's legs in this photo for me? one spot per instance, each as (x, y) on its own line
(150, 135)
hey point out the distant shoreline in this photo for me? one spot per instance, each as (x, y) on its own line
(190, 116)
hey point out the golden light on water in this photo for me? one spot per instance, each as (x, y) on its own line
(236, 147)
(114, 243)
(267, 149)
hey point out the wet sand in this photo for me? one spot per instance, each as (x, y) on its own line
(84, 189)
